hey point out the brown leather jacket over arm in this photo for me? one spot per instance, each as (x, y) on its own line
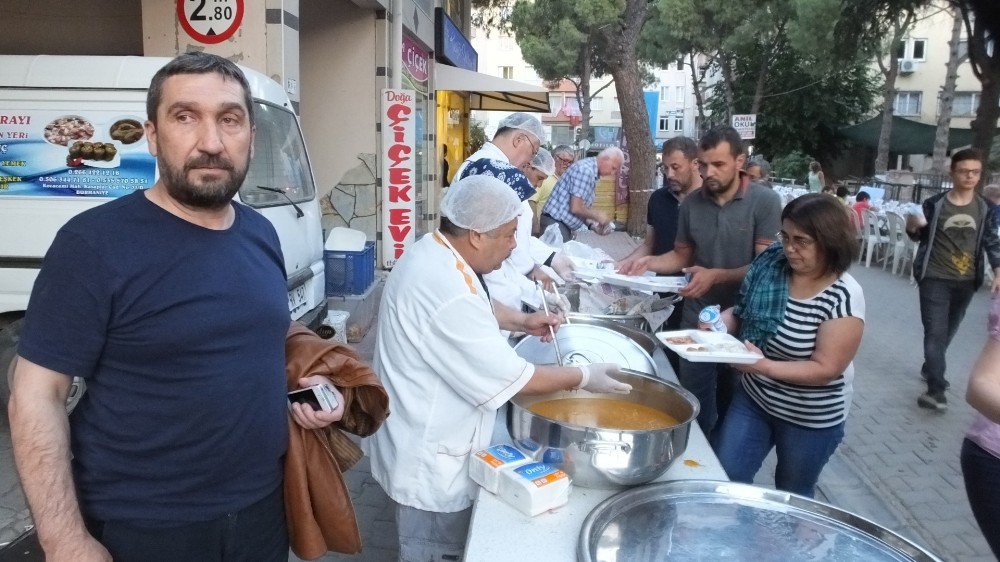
(318, 504)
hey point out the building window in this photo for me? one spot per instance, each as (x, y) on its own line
(665, 93)
(917, 49)
(506, 43)
(507, 72)
(664, 123)
(907, 103)
(596, 104)
(680, 63)
(679, 95)
(678, 124)
(555, 102)
(966, 104)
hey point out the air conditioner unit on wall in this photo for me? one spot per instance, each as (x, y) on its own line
(907, 66)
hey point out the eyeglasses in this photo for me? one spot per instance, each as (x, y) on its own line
(567, 161)
(534, 149)
(973, 172)
(798, 242)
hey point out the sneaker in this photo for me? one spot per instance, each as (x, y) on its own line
(933, 401)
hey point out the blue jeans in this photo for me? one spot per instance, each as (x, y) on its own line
(942, 308)
(981, 471)
(748, 433)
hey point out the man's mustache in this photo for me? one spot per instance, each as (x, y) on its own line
(208, 161)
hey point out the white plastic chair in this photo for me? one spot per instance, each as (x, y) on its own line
(900, 245)
(874, 239)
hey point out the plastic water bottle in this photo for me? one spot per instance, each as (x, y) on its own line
(712, 315)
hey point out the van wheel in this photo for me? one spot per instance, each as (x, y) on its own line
(9, 338)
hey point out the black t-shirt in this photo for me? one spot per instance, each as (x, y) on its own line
(179, 332)
(661, 214)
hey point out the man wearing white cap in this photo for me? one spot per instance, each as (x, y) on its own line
(447, 368)
(517, 140)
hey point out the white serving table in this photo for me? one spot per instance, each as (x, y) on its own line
(498, 529)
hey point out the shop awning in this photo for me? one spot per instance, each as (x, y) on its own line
(907, 137)
(491, 93)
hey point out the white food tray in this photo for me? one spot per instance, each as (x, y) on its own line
(718, 347)
(670, 284)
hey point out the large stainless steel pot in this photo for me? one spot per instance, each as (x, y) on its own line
(593, 341)
(633, 321)
(708, 520)
(608, 458)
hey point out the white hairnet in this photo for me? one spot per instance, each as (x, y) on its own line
(544, 162)
(525, 122)
(480, 203)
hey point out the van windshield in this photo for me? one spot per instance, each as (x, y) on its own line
(279, 161)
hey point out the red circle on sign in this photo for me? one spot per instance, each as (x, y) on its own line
(209, 36)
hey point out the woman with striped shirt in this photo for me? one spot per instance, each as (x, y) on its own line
(801, 309)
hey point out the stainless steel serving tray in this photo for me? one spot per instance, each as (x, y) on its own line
(593, 342)
(710, 520)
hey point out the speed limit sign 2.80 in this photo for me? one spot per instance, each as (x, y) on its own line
(210, 21)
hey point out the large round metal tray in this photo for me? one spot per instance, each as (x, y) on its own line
(709, 520)
(589, 343)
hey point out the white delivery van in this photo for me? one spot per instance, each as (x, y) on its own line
(47, 103)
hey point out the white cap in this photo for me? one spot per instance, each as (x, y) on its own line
(544, 162)
(480, 203)
(525, 122)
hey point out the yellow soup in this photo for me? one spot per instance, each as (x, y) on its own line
(605, 413)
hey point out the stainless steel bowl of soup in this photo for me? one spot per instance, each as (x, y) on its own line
(607, 440)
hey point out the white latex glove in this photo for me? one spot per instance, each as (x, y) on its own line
(563, 265)
(597, 378)
(556, 304)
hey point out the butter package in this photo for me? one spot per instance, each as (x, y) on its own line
(486, 465)
(534, 488)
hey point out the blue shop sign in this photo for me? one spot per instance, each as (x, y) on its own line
(451, 45)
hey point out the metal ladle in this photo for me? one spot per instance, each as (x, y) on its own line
(545, 307)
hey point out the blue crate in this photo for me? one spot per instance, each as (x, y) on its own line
(349, 273)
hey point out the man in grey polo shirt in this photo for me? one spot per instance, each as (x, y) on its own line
(721, 228)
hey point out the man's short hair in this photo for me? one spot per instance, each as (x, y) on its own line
(823, 218)
(196, 63)
(686, 145)
(764, 165)
(967, 154)
(991, 192)
(613, 153)
(564, 149)
(718, 135)
(862, 196)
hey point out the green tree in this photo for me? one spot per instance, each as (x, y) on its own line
(559, 39)
(984, 54)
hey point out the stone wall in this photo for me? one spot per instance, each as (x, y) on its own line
(353, 202)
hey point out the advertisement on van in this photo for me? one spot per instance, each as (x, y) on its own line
(90, 154)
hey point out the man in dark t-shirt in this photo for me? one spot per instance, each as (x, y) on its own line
(680, 177)
(171, 304)
(955, 232)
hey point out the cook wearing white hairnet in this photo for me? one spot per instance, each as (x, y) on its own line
(517, 140)
(447, 368)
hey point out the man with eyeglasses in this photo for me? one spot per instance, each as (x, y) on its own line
(721, 228)
(569, 206)
(957, 229)
(564, 157)
(517, 140)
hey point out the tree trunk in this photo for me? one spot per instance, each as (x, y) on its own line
(623, 63)
(947, 98)
(758, 91)
(699, 96)
(889, 93)
(583, 92)
(727, 86)
(984, 126)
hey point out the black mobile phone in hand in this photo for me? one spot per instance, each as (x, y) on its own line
(318, 397)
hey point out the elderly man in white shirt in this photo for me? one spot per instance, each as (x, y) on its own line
(447, 368)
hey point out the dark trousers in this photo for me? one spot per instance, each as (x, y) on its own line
(981, 471)
(713, 384)
(254, 534)
(942, 308)
(545, 220)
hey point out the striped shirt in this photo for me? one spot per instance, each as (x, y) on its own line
(808, 405)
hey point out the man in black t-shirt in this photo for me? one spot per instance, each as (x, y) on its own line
(680, 177)
(171, 303)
